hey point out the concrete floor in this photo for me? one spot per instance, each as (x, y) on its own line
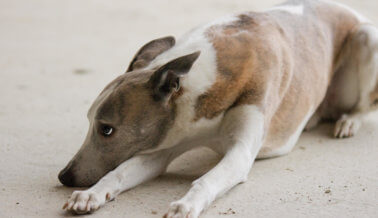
(56, 56)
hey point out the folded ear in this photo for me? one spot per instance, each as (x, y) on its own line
(166, 79)
(150, 51)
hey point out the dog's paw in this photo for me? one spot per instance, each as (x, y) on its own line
(346, 127)
(181, 210)
(87, 201)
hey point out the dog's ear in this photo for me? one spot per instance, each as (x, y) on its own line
(150, 51)
(166, 80)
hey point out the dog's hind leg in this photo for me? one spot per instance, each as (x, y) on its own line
(358, 61)
(240, 138)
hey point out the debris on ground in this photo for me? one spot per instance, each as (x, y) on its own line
(81, 71)
(228, 212)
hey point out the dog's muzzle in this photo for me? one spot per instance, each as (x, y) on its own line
(66, 177)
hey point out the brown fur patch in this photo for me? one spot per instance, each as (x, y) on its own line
(235, 59)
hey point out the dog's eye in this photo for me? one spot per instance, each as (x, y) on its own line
(106, 130)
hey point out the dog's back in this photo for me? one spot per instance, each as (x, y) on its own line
(262, 59)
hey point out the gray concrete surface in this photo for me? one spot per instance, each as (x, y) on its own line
(56, 56)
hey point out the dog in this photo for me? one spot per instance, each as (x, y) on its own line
(245, 86)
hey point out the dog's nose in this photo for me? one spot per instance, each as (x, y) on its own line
(66, 177)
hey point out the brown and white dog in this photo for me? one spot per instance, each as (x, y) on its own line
(245, 86)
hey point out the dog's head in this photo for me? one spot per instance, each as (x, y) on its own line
(132, 114)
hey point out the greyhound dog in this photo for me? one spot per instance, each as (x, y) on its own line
(245, 86)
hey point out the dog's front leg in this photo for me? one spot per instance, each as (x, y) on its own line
(127, 175)
(241, 136)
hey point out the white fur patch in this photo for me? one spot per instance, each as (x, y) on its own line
(292, 9)
(244, 123)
